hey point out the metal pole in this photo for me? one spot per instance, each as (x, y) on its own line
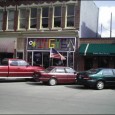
(111, 26)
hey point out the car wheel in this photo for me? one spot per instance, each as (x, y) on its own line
(100, 85)
(52, 82)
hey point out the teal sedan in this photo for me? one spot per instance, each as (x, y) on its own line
(97, 78)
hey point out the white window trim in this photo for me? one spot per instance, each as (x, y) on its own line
(66, 27)
(8, 20)
(33, 18)
(18, 28)
(57, 17)
(41, 28)
(2, 19)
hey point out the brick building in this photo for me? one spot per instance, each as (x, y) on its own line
(29, 28)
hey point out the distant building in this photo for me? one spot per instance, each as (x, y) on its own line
(28, 28)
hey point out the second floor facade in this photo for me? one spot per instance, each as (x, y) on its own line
(49, 15)
(40, 16)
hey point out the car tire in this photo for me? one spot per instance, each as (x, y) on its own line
(100, 85)
(52, 82)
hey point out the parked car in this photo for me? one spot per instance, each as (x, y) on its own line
(16, 69)
(56, 74)
(97, 78)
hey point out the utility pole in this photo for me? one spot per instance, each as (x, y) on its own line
(111, 25)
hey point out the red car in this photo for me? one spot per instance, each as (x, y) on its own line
(55, 74)
(17, 68)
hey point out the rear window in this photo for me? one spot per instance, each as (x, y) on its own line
(107, 72)
(93, 71)
(114, 71)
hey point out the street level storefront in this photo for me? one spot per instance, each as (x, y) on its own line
(38, 50)
(96, 56)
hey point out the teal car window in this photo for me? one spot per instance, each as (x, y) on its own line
(107, 72)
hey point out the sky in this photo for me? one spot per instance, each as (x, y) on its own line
(106, 17)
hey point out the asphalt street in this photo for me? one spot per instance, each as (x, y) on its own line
(27, 97)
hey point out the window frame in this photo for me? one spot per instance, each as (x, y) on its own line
(1, 20)
(56, 17)
(32, 19)
(41, 18)
(66, 17)
(7, 26)
(22, 18)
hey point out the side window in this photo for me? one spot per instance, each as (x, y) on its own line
(107, 72)
(22, 63)
(69, 70)
(13, 63)
(114, 71)
(5, 63)
(60, 70)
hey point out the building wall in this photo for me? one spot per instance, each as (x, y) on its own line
(82, 15)
(89, 13)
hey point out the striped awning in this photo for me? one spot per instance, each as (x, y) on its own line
(97, 49)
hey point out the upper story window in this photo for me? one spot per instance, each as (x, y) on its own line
(57, 16)
(33, 18)
(22, 18)
(10, 19)
(45, 11)
(70, 16)
(1, 19)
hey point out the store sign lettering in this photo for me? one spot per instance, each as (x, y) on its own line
(46, 43)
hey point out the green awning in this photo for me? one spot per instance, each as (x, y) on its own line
(97, 49)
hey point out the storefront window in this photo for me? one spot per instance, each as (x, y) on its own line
(20, 55)
(70, 59)
(37, 58)
(88, 63)
(29, 58)
(103, 62)
(46, 59)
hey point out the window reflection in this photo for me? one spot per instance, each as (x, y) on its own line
(10, 19)
(1, 19)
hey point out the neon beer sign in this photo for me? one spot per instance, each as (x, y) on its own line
(47, 43)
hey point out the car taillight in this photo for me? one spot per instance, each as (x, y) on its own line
(86, 77)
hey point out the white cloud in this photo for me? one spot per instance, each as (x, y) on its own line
(105, 19)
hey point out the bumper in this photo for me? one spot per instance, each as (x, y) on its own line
(90, 83)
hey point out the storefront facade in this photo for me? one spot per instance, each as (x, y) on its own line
(35, 26)
(96, 53)
(38, 50)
